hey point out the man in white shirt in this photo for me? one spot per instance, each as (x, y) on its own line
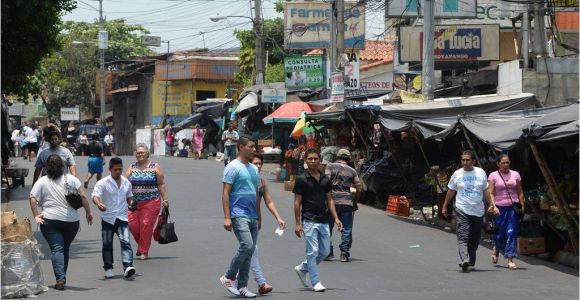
(230, 138)
(113, 195)
(469, 186)
(109, 140)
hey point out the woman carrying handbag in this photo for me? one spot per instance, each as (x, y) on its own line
(505, 189)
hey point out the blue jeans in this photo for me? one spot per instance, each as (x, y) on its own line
(256, 269)
(317, 237)
(59, 235)
(121, 228)
(346, 217)
(246, 231)
(230, 154)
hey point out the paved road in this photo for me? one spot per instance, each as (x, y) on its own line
(383, 265)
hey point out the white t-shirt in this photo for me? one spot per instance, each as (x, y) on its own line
(50, 195)
(114, 198)
(230, 135)
(109, 139)
(31, 135)
(470, 186)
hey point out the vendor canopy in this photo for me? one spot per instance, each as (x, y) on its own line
(504, 130)
(290, 112)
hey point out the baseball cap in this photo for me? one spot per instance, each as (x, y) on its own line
(342, 153)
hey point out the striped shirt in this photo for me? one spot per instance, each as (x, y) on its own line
(144, 182)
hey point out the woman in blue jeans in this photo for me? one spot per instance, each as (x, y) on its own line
(59, 222)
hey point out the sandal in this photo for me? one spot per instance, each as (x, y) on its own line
(494, 259)
(512, 266)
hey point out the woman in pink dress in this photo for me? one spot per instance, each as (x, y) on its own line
(197, 141)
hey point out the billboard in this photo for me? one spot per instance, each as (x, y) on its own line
(452, 43)
(443, 8)
(307, 25)
(301, 72)
(149, 40)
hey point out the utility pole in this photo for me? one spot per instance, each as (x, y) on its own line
(526, 37)
(428, 70)
(333, 38)
(259, 79)
(339, 27)
(166, 82)
(540, 41)
(102, 65)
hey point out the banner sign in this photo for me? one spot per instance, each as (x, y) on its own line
(273, 96)
(352, 72)
(337, 92)
(303, 72)
(380, 82)
(307, 25)
(443, 8)
(70, 114)
(452, 42)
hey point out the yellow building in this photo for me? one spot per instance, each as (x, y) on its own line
(190, 78)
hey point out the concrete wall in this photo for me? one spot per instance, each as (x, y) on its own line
(555, 87)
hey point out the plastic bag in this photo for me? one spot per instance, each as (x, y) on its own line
(21, 272)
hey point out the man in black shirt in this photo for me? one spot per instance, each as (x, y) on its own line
(312, 203)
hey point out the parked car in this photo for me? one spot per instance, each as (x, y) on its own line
(89, 130)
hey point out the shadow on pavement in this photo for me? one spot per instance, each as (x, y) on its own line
(486, 243)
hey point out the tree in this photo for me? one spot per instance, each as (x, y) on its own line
(69, 75)
(273, 33)
(30, 31)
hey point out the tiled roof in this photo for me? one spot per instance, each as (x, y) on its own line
(374, 51)
(377, 50)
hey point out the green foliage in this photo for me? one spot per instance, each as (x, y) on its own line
(275, 73)
(69, 76)
(30, 30)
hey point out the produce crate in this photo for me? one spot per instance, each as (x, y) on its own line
(535, 245)
(398, 205)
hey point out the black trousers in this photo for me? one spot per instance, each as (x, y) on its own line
(468, 236)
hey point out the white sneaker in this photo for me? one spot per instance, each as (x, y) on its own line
(319, 287)
(130, 271)
(230, 285)
(244, 292)
(109, 273)
(301, 275)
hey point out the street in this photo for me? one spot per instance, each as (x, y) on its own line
(384, 265)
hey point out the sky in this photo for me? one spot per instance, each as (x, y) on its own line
(186, 24)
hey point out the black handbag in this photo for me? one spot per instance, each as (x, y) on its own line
(73, 198)
(167, 230)
(515, 205)
(490, 225)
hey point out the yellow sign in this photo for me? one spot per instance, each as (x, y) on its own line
(179, 97)
(417, 82)
(408, 97)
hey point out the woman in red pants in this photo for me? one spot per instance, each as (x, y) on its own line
(149, 189)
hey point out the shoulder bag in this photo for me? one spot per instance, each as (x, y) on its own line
(515, 205)
(167, 230)
(73, 198)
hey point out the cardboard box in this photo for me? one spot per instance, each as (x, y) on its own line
(534, 245)
(289, 185)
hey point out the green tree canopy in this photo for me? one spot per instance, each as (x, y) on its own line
(29, 32)
(69, 76)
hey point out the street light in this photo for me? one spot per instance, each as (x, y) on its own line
(259, 79)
